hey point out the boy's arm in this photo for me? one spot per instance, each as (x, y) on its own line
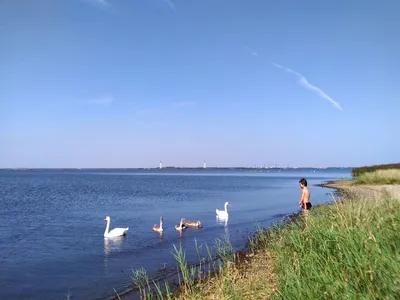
(302, 197)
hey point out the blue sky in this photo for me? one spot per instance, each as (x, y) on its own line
(113, 83)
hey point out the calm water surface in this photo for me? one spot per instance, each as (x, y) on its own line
(51, 237)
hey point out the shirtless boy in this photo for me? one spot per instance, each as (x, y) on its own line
(305, 195)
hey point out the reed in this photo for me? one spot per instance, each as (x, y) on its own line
(142, 281)
(118, 297)
(188, 273)
(189, 276)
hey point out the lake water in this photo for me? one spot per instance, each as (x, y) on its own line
(51, 236)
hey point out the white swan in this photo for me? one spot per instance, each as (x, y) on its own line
(114, 232)
(157, 227)
(223, 213)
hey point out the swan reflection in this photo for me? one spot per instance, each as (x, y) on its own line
(226, 228)
(222, 221)
(160, 234)
(113, 244)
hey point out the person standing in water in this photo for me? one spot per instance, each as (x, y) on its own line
(305, 195)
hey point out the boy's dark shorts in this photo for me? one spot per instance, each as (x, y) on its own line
(307, 205)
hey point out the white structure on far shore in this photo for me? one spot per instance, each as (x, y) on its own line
(204, 165)
(160, 165)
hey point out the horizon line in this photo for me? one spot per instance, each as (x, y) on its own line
(172, 167)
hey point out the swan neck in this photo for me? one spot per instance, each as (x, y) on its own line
(107, 227)
(161, 224)
(226, 207)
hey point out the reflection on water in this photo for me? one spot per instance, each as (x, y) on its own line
(222, 221)
(160, 234)
(226, 229)
(112, 245)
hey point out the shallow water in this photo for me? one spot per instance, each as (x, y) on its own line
(52, 228)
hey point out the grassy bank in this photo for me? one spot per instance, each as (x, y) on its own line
(344, 250)
(378, 177)
(366, 169)
(391, 176)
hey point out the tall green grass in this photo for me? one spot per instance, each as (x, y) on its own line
(346, 250)
(391, 176)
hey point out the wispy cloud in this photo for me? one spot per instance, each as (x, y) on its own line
(304, 82)
(103, 2)
(252, 52)
(171, 4)
(99, 3)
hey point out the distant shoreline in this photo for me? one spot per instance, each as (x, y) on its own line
(175, 169)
